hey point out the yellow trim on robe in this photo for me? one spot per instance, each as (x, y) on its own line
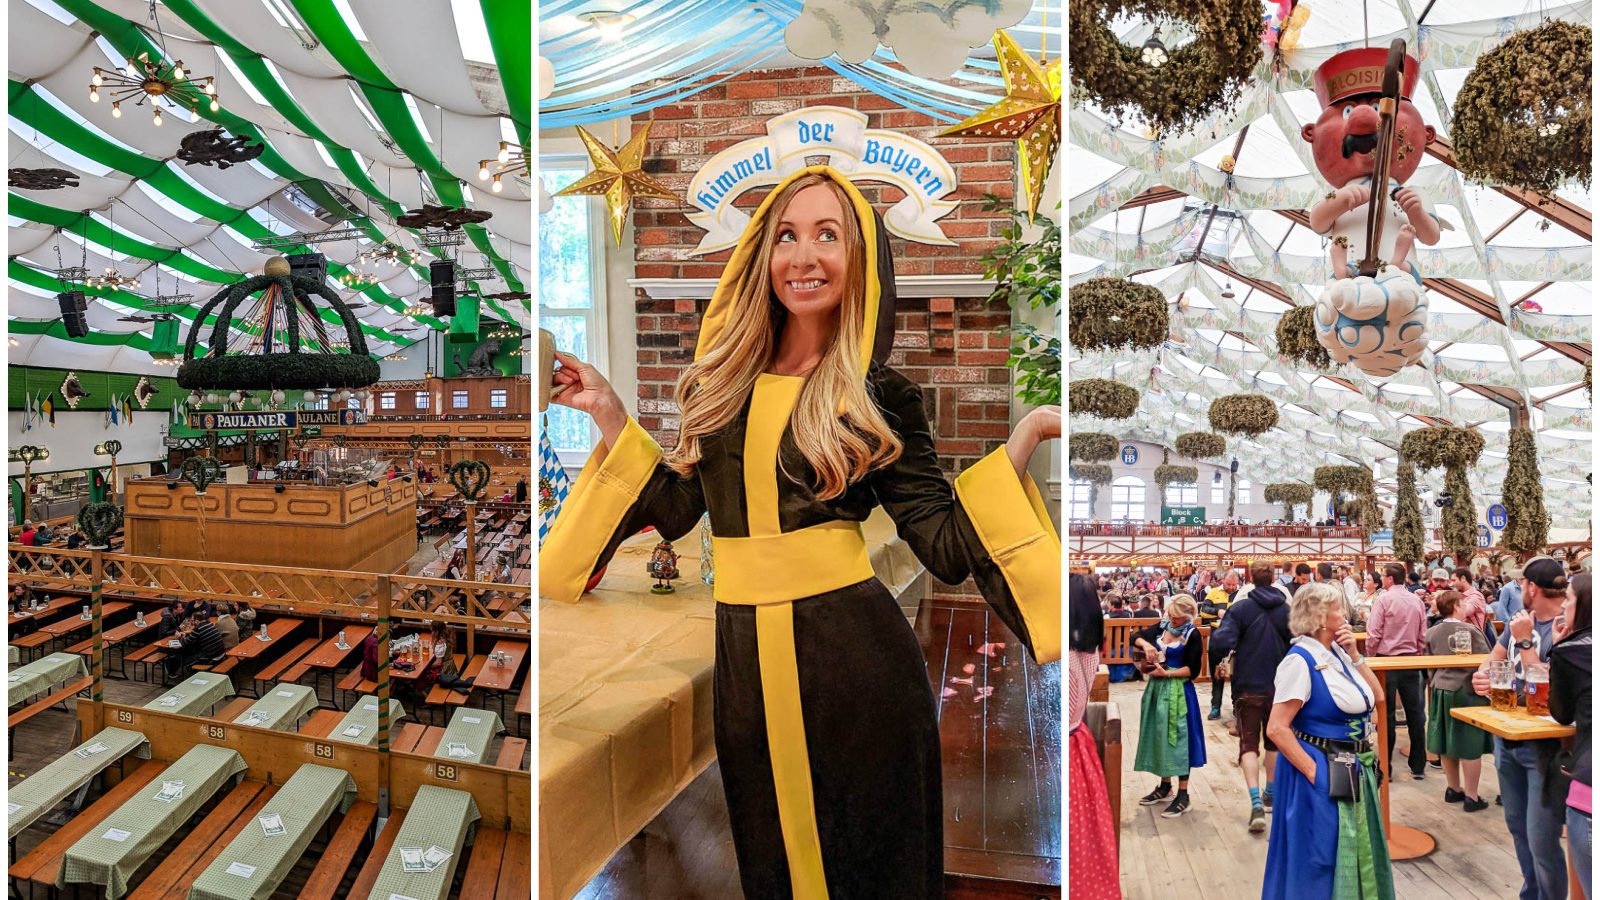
(1024, 546)
(786, 746)
(608, 486)
(782, 568)
(771, 402)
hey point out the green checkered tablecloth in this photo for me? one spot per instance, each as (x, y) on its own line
(360, 724)
(438, 818)
(194, 697)
(37, 794)
(280, 708)
(473, 728)
(253, 864)
(42, 674)
(12, 656)
(118, 846)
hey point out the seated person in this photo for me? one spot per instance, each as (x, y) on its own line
(171, 618)
(227, 626)
(76, 540)
(441, 668)
(200, 642)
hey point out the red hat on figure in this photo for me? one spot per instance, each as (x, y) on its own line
(1356, 72)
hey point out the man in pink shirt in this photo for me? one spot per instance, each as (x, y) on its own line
(1473, 608)
(1396, 627)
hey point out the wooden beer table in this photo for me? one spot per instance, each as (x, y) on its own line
(1406, 842)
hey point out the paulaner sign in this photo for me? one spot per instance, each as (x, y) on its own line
(274, 419)
(833, 136)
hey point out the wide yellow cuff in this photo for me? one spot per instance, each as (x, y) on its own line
(608, 486)
(1009, 515)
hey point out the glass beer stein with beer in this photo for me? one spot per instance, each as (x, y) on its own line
(1502, 689)
(1461, 643)
(1536, 682)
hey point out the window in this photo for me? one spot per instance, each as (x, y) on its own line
(422, 399)
(1078, 508)
(1183, 495)
(458, 399)
(1127, 500)
(386, 400)
(572, 290)
(1244, 491)
(497, 398)
(1219, 491)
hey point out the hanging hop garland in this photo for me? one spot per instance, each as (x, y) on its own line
(1338, 480)
(1250, 415)
(1522, 116)
(1116, 314)
(1096, 474)
(1091, 446)
(98, 522)
(1166, 475)
(1101, 398)
(1201, 445)
(469, 477)
(1588, 376)
(1409, 537)
(1297, 338)
(1442, 446)
(1527, 521)
(1290, 494)
(1195, 79)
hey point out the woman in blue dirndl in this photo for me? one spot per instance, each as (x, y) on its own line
(1322, 848)
(1172, 739)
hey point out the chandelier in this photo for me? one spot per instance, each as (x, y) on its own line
(154, 79)
(358, 279)
(512, 159)
(418, 309)
(111, 278)
(387, 252)
(502, 331)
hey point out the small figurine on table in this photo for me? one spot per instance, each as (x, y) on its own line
(663, 568)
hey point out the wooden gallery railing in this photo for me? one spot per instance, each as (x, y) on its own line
(366, 595)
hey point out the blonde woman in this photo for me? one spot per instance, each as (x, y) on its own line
(1172, 739)
(790, 431)
(1327, 836)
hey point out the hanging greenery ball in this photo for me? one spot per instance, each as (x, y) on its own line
(1171, 88)
(1250, 415)
(1166, 475)
(1289, 493)
(1442, 446)
(1522, 116)
(1094, 474)
(1297, 338)
(1116, 314)
(1091, 446)
(1338, 480)
(1201, 445)
(1101, 398)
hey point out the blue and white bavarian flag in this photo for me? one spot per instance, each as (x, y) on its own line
(553, 483)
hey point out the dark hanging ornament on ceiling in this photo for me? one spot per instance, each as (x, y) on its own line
(442, 217)
(41, 179)
(217, 147)
(508, 295)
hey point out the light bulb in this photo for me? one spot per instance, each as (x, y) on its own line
(496, 188)
(505, 152)
(96, 80)
(483, 173)
(94, 96)
(211, 86)
(214, 106)
(157, 118)
(133, 71)
(116, 110)
(177, 72)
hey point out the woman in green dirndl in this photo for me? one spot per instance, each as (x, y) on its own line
(1461, 747)
(1172, 739)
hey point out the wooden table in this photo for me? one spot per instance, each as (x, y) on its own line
(48, 611)
(499, 678)
(423, 656)
(1406, 842)
(329, 656)
(73, 623)
(251, 647)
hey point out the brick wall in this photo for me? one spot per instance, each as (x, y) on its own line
(953, 347)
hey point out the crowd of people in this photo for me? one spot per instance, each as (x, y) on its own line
(1284, 642)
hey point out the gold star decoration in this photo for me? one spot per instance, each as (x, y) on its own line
(1030, 114)
(619, 176)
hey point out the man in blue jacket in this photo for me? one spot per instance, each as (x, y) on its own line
(1256, 630)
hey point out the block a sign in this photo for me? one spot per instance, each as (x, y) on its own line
(833, 136)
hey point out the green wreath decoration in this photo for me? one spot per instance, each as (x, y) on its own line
(1196, 79)
(1201, 445)
(1290, 494)
(1166, 475)
(1250, 415)
(1101, 398)
(1442, 446)
(1297, 338)
(469, 477)
(1116, 314)
(1091, 446)
(98, 522)
(1522, 116)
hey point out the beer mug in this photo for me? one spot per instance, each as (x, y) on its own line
(1536, 684)
(341, 638)
(1461, 643)
(1502, 686)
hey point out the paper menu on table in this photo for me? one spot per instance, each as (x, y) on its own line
(171, 700)
(434, 856)
(472, 720)
(411, 860)
(458, 750)
(272, 825)
(89, 750)
(354, 729)
(241, 870)
(284, 693)
(117, 834)
(170, 791)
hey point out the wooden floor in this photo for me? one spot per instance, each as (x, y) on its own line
(1194, 855)
(999, 719)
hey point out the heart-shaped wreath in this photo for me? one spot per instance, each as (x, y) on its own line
(470, 477)
(99, 521)
(201, 471)
(415, 441)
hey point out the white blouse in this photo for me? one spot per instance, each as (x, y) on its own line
(1293, 681)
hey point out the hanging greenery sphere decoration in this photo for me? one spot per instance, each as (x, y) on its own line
(1290, 494)
(292, 367)
(1338, 480)
(1201, 445)
(1166, 475)
(1097, 475)
(1297, 338)
(1091, 446)
(1522, 116)
(1101, 398)
(1527, 522)
(1442, 446)
(1178, 87)
(1250, 415)
(1116, 314)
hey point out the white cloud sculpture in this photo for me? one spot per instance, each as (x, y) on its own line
(931, 38)
(1379, 324)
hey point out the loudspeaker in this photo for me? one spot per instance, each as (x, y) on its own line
(442, 278)
(310, 265)
(73, 306)
(1234, 467)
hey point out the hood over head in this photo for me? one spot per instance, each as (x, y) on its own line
(877, 334)
(1269, 597)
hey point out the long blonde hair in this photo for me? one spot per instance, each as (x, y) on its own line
(837, 427)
